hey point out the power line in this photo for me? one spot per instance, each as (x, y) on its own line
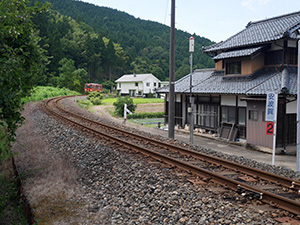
(166, 13)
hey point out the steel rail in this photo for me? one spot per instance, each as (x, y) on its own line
(274, 178)
(264, 196)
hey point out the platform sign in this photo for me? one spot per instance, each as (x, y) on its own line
(271, 106)
(271, 117)
(270, 128)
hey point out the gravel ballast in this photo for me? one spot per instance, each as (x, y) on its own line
(102, 183)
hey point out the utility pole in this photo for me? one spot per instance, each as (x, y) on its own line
(192, 43)
(171, 114)
(298, 104)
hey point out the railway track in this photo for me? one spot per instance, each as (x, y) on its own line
(277, 191)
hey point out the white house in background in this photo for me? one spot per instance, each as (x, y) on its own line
(137, 84)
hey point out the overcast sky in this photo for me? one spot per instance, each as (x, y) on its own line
(213, 19)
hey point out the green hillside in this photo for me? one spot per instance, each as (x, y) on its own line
(146, 43)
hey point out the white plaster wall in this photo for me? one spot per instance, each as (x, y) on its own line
(291, 107)
(151, 88)
(241, 103)
(178, 98)
(228, 100)
(125, 87)
(292, 44)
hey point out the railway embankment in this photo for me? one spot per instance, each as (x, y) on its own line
(72, 177)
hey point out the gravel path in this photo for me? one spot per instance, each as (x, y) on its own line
(73, 178)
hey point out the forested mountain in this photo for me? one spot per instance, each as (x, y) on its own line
(76, 53)
(145, 43)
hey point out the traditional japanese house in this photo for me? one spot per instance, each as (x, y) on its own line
(260, 59)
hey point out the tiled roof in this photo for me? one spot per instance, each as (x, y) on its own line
(184, 83)
(260, 32)
(209, 82)
(237, 53)
(274, 84)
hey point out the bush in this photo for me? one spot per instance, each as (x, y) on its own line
(40, 93)
(147, 115)
(96, 101)
(95, 97)
(119, 105)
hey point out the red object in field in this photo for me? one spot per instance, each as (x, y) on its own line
(92, 87)
(270, 128)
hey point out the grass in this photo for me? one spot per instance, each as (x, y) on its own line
(43, 92)
(110, 101)
(149, 122)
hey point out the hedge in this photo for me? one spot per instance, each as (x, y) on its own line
(146, 115)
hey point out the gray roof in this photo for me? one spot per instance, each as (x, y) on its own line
(183, 84)
(260, 83)
(134, 77)
(237, 53)
(274, 83)
(264, 31)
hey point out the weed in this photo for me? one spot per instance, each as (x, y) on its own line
(11, 209)
(84, 104)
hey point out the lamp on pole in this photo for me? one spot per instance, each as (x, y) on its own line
(192, 42)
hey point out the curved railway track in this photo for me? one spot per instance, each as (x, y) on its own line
(249, 182)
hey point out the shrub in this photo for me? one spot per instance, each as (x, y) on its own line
(95, 97)
(96, 101)
(146, 115)
(119, 105)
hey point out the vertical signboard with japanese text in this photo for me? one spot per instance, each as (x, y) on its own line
(271, 106)
(271, 117)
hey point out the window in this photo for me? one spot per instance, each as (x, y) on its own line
(228, 114)
(207, 115)
(119, 85)
(136, 84)
(253, 115)
(154, 84)
(148, 84)
(274, 57)
(242, 116)
(233, 68)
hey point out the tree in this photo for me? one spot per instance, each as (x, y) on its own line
(119, 105)
(22, 61)
(110, 58)
(182, 71)
(78, 77)
(66, 71)
(158, 73)
(70, 77)
(109, 85)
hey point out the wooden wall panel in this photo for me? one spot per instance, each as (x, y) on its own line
(256, 130)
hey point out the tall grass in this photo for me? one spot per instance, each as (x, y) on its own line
(43, 92)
